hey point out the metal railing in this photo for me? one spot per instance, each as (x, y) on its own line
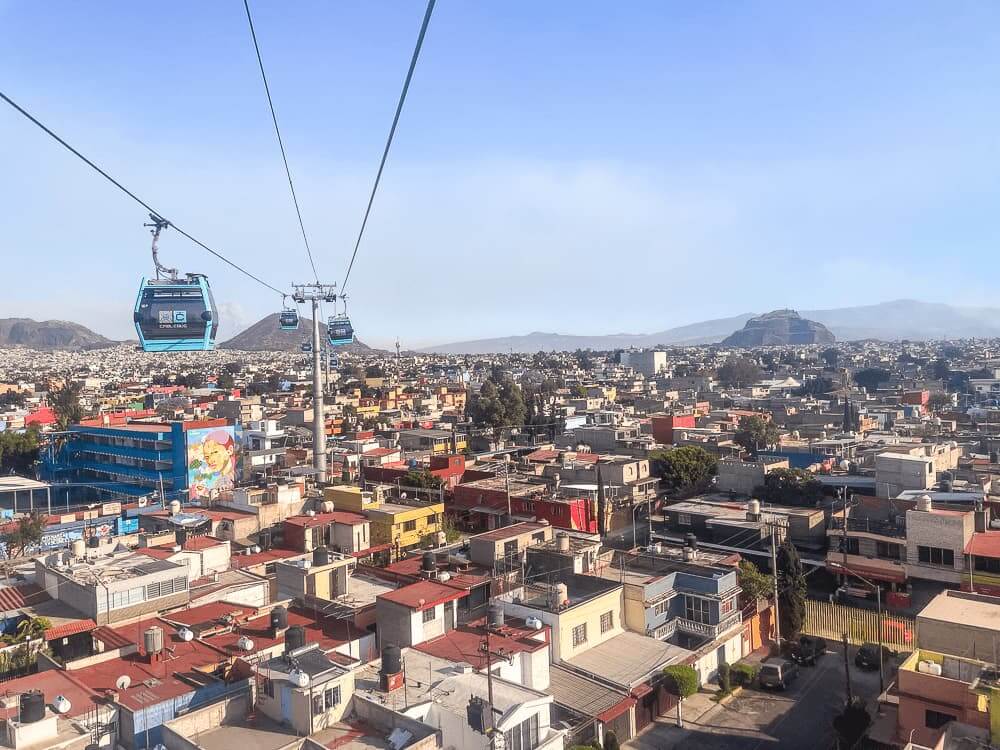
(710, 631)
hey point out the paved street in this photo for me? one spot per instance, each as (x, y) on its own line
(801, 717)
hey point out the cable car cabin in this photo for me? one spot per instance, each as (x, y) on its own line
(306, 347)
(288, 320)
(176, 316)
(339, 331)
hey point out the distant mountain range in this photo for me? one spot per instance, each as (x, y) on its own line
(49, 335)
(266, 336)
(886, 321)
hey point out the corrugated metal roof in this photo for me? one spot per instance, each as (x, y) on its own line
(581, 694)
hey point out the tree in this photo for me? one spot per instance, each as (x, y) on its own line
(225, 380)
(852, 724)
(422, 479)
(939, 369)
(755, 585)
(815, 387)
(791, 591)
(32, 629)
(18, 451)
(684, 469)
(830, 356)
(611, 741)
(497, 405)
(791, 487)
(871, 377)
(939, 401)
(682, 681)
(755, 433)
(739, 372)
(15, 399)
(65, 402)
(584, 360)
(19, 537)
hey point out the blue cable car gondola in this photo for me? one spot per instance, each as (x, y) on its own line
(339, 330)
(306, 347)
(172, 314)
(288, 319)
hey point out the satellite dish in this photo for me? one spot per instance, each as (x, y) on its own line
(123, 682)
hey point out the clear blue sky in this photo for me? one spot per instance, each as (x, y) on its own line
(578, 167)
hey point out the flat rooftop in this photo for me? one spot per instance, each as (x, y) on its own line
(119, 566)
(261, 734)
(959, 607)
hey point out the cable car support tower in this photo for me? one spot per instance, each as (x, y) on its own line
(315, 293)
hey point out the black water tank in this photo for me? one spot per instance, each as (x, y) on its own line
(264, 539)
(690, 540)
(94, 542)
(182, 535)
(427, 563)
(392, 659)
(32, 706)
(295, 637)
(321, 556)
(279, 618)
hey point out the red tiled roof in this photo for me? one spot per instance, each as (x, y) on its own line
(112, 639)
(16, 597)
(984, 544)
(422, 595)
(463, 643)
(69, 628)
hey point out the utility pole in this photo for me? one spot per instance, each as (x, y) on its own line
(774, 575)
(847, 671)
(316, 293)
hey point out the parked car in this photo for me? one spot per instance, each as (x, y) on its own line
(808, 649)
(867, 656)
(777, 673)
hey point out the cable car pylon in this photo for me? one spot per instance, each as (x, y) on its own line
(314, 294)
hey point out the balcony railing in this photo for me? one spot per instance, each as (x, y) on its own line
(870, 526)
(709, 631)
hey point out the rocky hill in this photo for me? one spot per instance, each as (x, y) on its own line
(780, 328)
(49, 335)
(266, 336)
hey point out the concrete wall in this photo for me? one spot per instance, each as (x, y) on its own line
(177, 731)
(895, 473)
(946, 530)
(385, 719)
(395, 624)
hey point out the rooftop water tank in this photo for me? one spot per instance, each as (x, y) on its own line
(185, 634)
(295, 637)
(32, 706)
(494, 615)
(279, 617)
(562, 541)
(152, 639)
(392, 659)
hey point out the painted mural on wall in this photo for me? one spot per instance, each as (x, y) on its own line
(211, 460)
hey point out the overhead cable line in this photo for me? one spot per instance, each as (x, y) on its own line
(392, 133)
(281, 143)
(132, 195)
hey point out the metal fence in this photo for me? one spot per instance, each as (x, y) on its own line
(831, 621)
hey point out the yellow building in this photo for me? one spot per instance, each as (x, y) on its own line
(405, 526)
(350, 498)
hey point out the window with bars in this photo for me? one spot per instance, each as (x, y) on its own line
(429, 614)
(580, 634)
(607, 621)
(332, 697)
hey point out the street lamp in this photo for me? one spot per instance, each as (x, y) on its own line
(881, 649)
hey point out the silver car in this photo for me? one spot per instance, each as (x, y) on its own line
(777, 673)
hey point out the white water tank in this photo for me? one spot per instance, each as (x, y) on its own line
(562, 541)
(298, 678)
(533, 622)
(924, 503)
(175, 507)
(753, 509)
(244, 643)
(79, 548)
(444, 576)
(185, 634)
(61, 704)
(327, 506)
(929, 667)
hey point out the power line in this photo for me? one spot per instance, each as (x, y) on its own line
(281, 143)
(392, 133)
(130, 194)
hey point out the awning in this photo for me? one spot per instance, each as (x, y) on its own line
(864, 571)
(615, 711)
